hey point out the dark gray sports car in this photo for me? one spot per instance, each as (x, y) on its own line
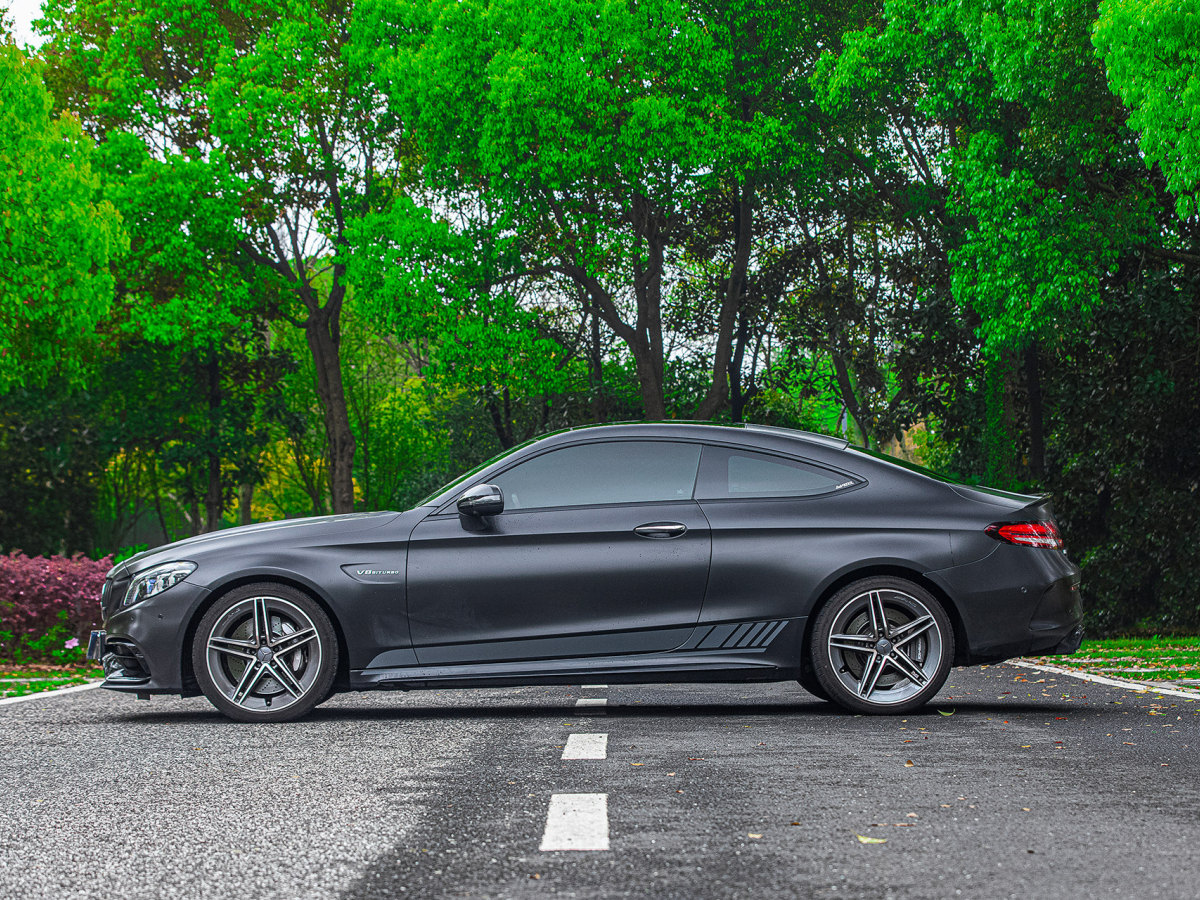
(621, 553)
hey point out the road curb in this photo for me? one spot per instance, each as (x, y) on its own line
(1141, 687)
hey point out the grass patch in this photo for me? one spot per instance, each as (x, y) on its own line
(33, 678)
(1141, 659)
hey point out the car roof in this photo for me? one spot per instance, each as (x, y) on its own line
(735, 432)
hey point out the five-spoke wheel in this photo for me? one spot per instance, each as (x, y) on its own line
(265, 653)
(882, 645)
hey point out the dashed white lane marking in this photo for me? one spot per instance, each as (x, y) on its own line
(586, 746)
(591, 705)
(57, 692)
(590, 687)
(1140, 687)
(576, 822)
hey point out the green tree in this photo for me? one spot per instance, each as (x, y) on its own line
(253, 106)
(58, 235)
(1151, 53)
(582, 140)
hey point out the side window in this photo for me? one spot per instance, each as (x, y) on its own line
(608, 472)
(729, 474)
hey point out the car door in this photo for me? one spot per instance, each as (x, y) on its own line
(600, 551)
(778, 524)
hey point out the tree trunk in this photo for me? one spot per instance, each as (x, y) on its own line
(735, 288)
(501, 419)
(1037, 432)
(596, 370)
(850, 399)
(324, 341)
(245, 504)
(737, 396)
(650, 381)
(212, 496)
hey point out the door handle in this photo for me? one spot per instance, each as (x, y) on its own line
(661, 530)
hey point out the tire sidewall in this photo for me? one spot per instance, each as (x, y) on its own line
(318, 692)
(822, 665)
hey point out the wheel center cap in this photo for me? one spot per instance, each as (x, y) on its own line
(883, 646)
(265, 654)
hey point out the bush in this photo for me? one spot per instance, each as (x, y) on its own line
(48, 605)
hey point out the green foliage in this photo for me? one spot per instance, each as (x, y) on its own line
(1043, 188)
(372, 243)
(1151, 52)
(57, 235)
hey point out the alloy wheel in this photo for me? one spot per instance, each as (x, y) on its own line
(264, 654)
(882, 645)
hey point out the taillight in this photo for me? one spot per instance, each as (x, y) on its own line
(1027, 534)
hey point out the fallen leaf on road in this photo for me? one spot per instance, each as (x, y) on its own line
(793, 823)
(908, 763)
(637, 764)
(751, 834)
(870, 840)
(944, 713)
(911, 816)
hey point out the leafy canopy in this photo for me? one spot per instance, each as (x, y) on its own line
(57, 235)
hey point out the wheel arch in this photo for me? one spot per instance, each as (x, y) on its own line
(341, 679)
(896, 570)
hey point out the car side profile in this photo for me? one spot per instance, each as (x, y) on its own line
(622, 553)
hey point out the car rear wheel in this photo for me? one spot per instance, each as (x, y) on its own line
(265, 653)
(882, 645)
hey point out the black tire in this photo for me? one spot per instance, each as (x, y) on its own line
(265, 653)
(882, 645)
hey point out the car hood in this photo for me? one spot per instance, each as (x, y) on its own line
(290, 530)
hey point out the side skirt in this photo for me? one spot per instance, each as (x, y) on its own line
(716, 653)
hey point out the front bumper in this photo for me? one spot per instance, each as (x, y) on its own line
(144, 649)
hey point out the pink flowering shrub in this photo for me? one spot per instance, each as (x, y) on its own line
(48, 605)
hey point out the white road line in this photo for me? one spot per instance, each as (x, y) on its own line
(1137, 686)
(591, 706)
(586, 746)
(590, 687)
(576, 822)
(57, 692)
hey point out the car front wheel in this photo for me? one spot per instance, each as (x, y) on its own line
(882, 645)
(265, 653)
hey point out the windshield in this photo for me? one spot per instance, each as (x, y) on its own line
(471, 473)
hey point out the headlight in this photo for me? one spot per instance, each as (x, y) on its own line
(155, 581)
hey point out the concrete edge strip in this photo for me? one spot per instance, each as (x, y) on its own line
(56, 692)
(1140, 686)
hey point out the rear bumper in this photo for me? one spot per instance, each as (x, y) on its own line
(1017, 601)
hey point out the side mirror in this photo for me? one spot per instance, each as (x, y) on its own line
(481, 500)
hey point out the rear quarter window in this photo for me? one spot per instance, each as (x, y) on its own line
(728, 473)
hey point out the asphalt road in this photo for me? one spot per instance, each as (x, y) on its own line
(1035, 786)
